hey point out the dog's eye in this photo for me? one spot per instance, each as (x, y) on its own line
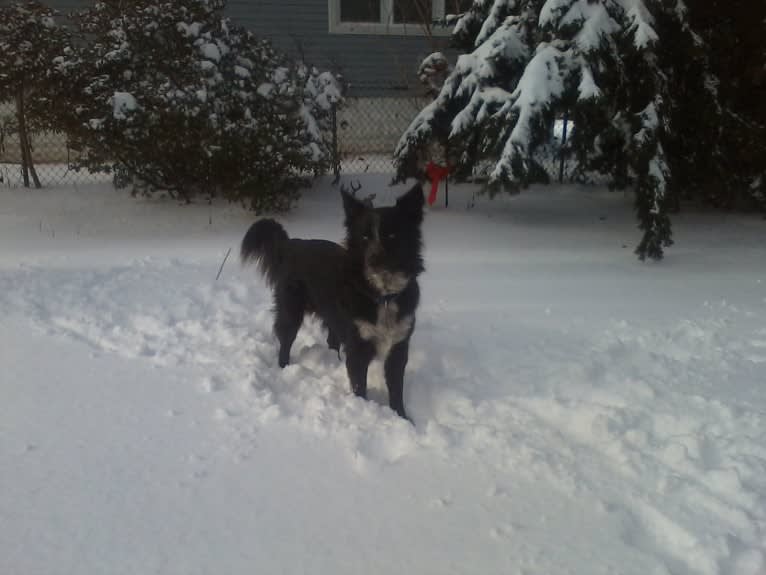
(391, 236)
(365, 238)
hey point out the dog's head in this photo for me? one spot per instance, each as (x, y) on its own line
(386, 242)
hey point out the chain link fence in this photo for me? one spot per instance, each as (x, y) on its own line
(52, 158)
(367, 130)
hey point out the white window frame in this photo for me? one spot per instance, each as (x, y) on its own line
(387, 26)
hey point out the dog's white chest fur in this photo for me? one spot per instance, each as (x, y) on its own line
(387, 331)
(386, 282)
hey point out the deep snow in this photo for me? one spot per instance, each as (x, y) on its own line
(576, 411)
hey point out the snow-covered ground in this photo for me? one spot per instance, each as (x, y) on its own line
(576, 411)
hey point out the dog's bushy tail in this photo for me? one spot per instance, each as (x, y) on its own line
(265, 243)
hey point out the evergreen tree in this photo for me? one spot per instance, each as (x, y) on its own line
(735, 30)
(527, 62)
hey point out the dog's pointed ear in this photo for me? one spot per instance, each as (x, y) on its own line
(411, 203)
(351, 205)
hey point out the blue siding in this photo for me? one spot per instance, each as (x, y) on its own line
(373, 65)
(379, 65)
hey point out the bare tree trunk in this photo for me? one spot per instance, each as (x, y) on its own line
(22, 137)
(27, 165)
(31, 165)
(335, 154)
(562, 152)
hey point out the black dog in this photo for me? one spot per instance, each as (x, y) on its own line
(365, 293)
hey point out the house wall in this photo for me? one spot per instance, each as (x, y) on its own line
(382, 65)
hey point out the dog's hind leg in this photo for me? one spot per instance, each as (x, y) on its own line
(291, 305)
(394, 372)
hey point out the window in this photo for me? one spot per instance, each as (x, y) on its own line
(413, 11)
(360, 10)
(405, 17)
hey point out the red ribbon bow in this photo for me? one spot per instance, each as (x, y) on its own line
(436, 173)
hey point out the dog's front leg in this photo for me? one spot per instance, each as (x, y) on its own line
(394, 371)
(333, 341)
(359, 354)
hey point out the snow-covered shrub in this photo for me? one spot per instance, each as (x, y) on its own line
(176, 98)
(322, 92)
(29, 40)
(527, 62)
